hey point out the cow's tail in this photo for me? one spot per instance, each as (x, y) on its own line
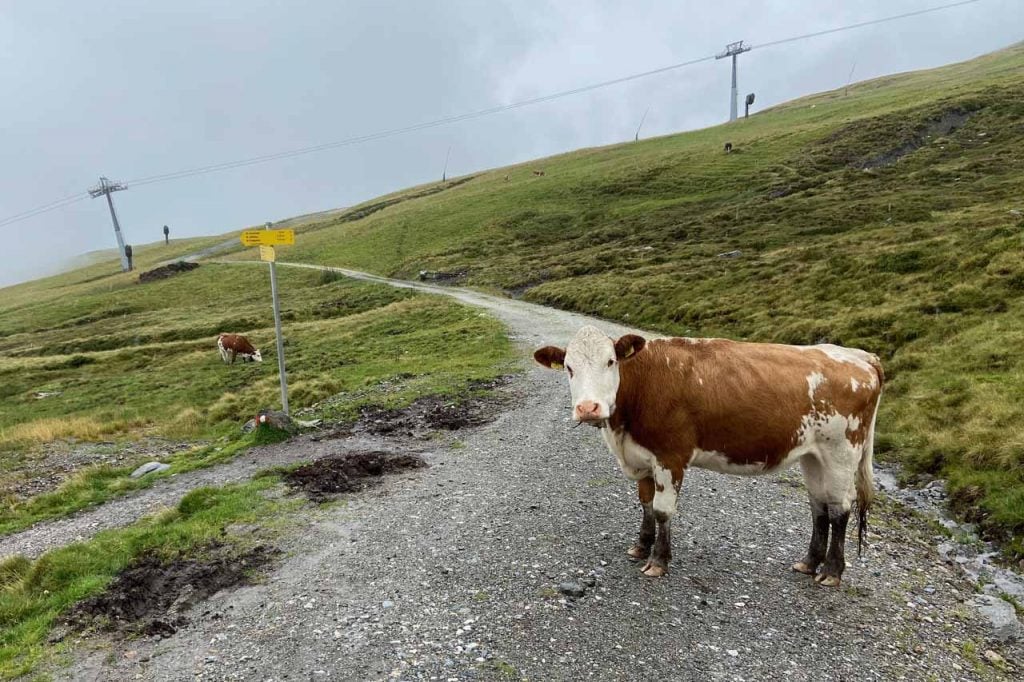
(865, 475)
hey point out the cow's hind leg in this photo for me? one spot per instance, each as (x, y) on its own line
(830, 481)
(642, 548)
(819, 539)
(831, 572)
(817, 492)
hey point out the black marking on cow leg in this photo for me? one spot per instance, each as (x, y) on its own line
(657, 564)
(831, 572)
(819, 539)
(642, 548)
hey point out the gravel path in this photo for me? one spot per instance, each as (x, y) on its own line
(167, 492)
(452, 573)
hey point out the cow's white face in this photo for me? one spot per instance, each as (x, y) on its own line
(256, 357)
(591, 361)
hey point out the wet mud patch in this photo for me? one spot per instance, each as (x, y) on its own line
(165, 271)
(152, 595)
(349, 472)
(434, 413)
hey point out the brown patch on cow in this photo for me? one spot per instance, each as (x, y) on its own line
(237, 343)
(749, 402)
(350, 472)
(151, 595)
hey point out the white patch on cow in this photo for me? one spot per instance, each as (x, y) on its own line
(720, 462)
(665, 492)
(591, 377)
(635, 460)
(700, 381)
(829, 458)
(854, 384)
(853, 356)
(814, 379)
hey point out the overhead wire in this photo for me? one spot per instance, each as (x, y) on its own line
(359, 139)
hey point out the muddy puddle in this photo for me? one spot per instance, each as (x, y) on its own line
(349, 472)
(152, 596)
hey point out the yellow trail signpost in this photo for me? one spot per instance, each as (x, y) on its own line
(267, 239)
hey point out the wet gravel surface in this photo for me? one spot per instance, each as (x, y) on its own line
(461, 571)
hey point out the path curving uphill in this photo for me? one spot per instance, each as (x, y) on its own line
(454, 572)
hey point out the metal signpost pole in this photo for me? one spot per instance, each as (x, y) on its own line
(280, 338)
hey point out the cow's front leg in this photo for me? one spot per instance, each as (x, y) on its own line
(666, 493)
(642, 548)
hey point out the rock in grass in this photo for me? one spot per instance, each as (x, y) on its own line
(274, 419)
(150, 468)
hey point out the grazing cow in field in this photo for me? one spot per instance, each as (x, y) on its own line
(538, 172)
(732, 407)
(236, 345)
(728, 147)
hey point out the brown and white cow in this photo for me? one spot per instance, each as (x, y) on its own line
(236, 345)
(732, 407)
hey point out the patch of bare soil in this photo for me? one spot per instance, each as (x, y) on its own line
(939, 126)
(345, 473)
(433, 413)
(151, 596)
(165, 271)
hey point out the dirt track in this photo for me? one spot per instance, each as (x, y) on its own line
(452, 573)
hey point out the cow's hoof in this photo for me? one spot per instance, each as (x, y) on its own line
(827, 580)
(653, 570)
(801, 567)
(638, 552)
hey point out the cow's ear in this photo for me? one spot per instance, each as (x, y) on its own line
(629, 345)
(551, 357)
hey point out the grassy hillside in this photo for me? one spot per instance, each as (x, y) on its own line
(888, 219)
(93, 355)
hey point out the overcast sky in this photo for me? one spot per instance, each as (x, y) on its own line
(129, 89)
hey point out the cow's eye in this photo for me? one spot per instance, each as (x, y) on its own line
(611, 362)
(569, 370)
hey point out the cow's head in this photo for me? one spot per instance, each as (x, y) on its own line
(253, 357)
(592, 362)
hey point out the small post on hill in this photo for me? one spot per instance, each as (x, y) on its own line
(277, 328)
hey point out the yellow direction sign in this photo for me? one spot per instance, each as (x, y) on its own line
(268, 237)
(267, 254)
